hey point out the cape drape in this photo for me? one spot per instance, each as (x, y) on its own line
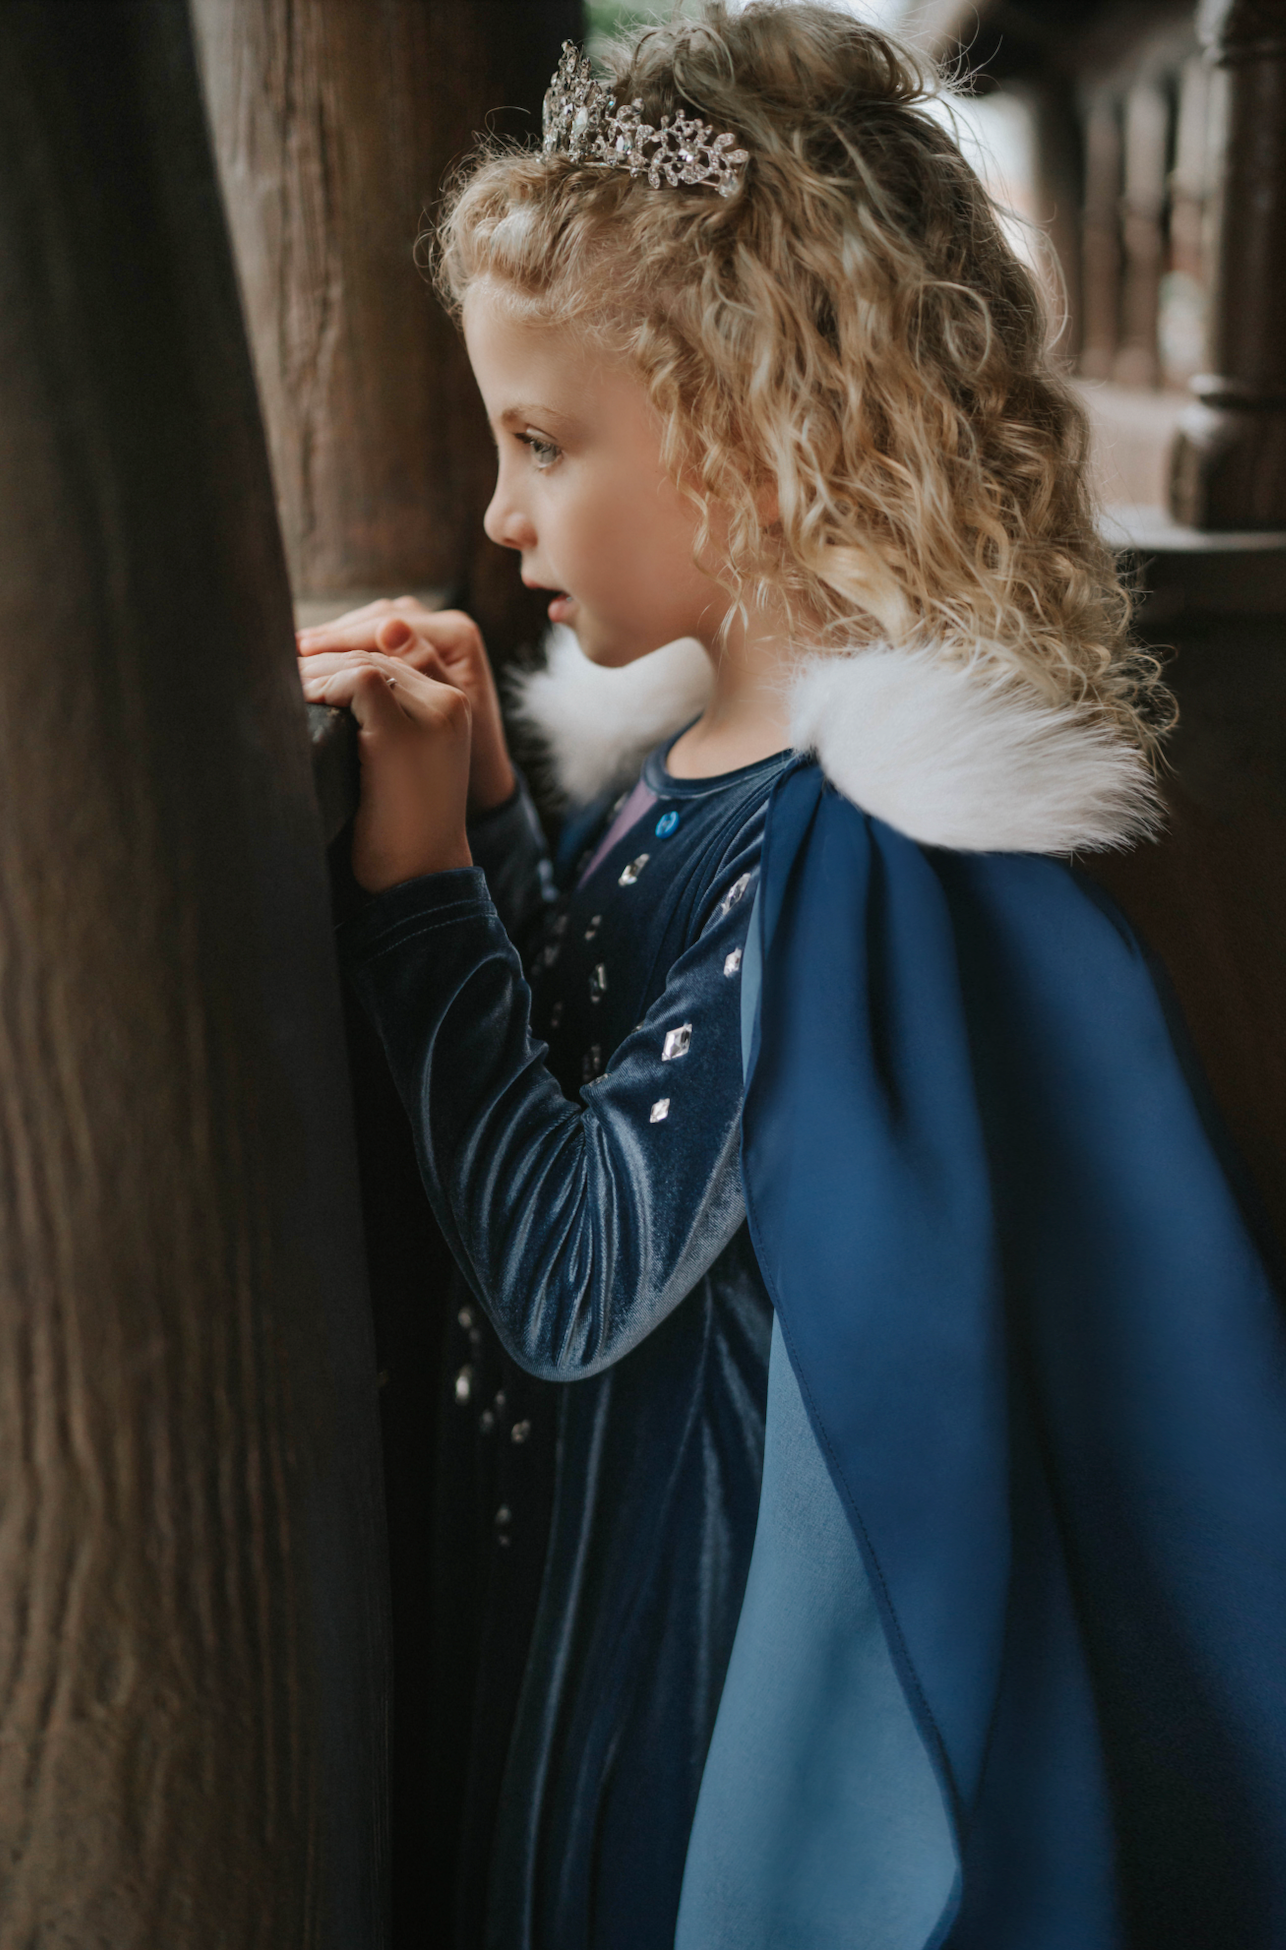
(1044, 1359)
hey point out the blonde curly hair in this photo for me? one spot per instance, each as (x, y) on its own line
(851, 331)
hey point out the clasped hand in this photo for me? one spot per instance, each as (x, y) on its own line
(430, 737)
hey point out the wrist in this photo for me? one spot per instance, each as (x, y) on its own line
(492, 781)
(378, 876)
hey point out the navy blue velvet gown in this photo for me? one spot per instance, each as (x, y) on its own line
(954, 1616)
(579, 1126)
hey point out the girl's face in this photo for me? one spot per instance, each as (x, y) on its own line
(581, 490)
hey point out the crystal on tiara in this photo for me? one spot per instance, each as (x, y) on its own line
(583, 121)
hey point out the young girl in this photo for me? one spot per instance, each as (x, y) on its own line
(840, 1238)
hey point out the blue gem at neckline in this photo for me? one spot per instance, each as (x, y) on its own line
(666, 824)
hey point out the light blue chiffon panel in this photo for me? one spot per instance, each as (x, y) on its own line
(820, 1824)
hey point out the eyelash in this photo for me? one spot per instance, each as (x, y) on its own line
(540, 449)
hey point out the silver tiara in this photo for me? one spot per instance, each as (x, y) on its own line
(583, 121)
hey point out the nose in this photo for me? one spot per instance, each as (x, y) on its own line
(506, 522)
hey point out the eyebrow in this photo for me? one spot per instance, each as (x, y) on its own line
(524, 415)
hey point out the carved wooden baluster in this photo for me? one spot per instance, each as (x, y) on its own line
(1230, 457)
(1101, 237)
(1147, 117)
(1182, 332)
(192, 1588)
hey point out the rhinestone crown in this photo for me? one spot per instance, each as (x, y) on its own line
(584, 122)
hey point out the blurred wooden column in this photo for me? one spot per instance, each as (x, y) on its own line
(335, 122)
(192, 1588)
(1230, 459)
(1147, 119)
(1101, 237)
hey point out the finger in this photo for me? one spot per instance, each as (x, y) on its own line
(336, 636)
(373, 701)
(336, 685)
(394, 634)
(380, 607)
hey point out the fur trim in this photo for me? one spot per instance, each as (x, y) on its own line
(952, 755)
(598, 725)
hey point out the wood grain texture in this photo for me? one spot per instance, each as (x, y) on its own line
(192, 1606)
(335, 124)
(1210, 897)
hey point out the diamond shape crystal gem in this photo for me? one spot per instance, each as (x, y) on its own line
(630, 874)
(734, 893)
(677, 1042)
(732, 962)
(660, 1111)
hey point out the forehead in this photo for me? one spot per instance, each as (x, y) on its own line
(522, 361)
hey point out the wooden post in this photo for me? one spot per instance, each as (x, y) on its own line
(335, 122)
(192, 1610)
(1101, 237)
(1230, 457)
(1147, 119)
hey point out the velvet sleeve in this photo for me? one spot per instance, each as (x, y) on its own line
(579, 1225)
(509, 846)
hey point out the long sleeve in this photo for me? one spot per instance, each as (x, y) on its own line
(508, 845)
(580, 1226)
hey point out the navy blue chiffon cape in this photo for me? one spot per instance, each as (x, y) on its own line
(1045, 1361)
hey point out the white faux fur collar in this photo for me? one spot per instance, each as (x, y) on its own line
(951, 755)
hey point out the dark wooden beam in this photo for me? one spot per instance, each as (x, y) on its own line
(192, 1587)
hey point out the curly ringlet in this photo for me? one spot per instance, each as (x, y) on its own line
(853, 328)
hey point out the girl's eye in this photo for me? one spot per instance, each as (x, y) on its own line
(543, 452)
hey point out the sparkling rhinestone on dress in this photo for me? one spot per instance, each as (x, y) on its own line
(486, 1421)
(465, 1316)
(630, 874)
(660, 1111)
(668, 823)
(596, 922)
(584, 122)
(734, 894)
(677, 1042)
(504, 1518)
(520, 1431)
(555, 1015)
(597, 983)
(732, 962)
(464, 1385)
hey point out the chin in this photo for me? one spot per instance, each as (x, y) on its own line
(608, 651)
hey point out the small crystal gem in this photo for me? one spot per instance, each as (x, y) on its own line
(677, 1042)
(732, 962)
(465, 1316)
(660, 1111)
(667, 824)
(594, 926)
(520, 1431)
(555, 1015)
(464, 1385)
(598, 983)
(734, 894)
(631, 873)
